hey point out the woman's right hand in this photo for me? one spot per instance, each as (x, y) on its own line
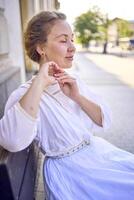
(46, 73)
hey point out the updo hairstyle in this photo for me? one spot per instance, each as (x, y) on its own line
(37, 31)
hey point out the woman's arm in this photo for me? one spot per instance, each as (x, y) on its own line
(18, 127)
(89, 102)
(30, 101)
(90, 108)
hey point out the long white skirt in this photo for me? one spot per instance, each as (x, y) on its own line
(99, 171)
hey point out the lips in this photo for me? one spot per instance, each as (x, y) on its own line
(69, 58)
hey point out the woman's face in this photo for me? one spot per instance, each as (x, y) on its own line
(59, 46)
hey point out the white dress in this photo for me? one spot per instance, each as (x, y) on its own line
(78, 165)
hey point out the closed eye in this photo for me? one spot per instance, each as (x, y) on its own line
(63, 41)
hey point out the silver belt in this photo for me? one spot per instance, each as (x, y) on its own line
(70, 151)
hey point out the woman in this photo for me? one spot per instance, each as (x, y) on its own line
(60, 112)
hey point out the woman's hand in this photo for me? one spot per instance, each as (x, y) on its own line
(68, 85)
(46, 73)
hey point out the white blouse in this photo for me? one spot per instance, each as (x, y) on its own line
(61, 123)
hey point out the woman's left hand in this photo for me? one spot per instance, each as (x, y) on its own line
(68, 85)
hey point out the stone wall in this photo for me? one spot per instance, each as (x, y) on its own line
(9, 80)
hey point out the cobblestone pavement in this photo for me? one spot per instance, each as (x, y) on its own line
(104, 75)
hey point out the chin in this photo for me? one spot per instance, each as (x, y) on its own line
(66, 66)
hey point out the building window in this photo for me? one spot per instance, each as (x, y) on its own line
(4, 43)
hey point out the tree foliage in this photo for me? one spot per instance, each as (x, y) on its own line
(106, 22)
(94, 25)
(86, 26)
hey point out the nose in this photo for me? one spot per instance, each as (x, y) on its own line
(71, 47)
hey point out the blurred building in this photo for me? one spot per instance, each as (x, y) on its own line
(13, 62)
(131, 24)
(113, 32)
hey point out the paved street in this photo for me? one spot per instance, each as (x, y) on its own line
(104, 75)
(109, 76)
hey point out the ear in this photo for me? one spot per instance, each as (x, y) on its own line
(40, 49)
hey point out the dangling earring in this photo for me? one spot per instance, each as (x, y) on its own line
(42, 55)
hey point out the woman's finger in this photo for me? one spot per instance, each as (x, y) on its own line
(54, 69)
(60, 73)
(67, 80)
(64, 77)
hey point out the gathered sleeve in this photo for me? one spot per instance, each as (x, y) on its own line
(105, 110)
(17, 128)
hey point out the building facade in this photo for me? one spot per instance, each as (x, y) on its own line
(13, 61)
(113, 32)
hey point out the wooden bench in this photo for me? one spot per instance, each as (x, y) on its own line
(18, 173)
(17, 170)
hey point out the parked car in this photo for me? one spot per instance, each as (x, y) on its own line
(131, 44)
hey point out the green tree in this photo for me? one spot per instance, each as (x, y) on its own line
(94, 25)
(86, 26)
(103, 28)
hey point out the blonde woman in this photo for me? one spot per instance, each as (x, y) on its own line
(60, 112)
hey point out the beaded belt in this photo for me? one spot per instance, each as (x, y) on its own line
(70, 151)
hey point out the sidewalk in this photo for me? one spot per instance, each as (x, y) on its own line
(120, 67)
(115, 90)
(39, 187)
(116, 51)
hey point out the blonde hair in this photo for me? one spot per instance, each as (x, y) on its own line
(37, 31)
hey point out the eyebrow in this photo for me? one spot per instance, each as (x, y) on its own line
(63, 34)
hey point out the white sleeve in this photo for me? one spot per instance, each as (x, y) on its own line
(17, 128)
(105, 110)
